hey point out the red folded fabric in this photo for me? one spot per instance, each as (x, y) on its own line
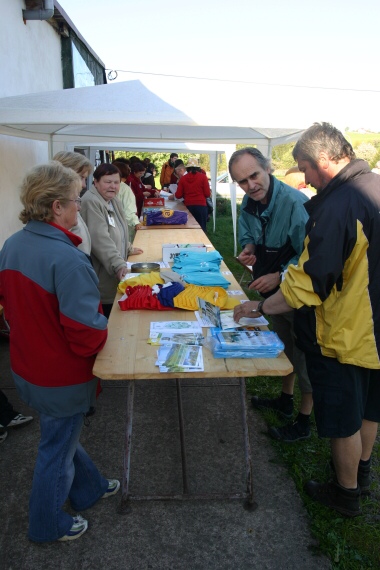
(141, 297)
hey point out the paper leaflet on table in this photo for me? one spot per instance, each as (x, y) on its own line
(175, 327)
(160, 338)
(180, 358)
(227, 321)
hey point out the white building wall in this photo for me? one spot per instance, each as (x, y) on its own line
(30, 62)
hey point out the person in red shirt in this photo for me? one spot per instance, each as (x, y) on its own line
(138, 188)
(194, 189)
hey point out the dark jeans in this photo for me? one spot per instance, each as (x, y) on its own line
(200, 213)
(7, 413)
(107, 308)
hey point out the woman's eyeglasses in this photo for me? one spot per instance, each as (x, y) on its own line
(78, 201)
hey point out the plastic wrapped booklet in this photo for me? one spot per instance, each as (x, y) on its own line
(244, 344)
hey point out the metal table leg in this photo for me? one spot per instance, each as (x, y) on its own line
(250, 503)
(124, 505)
(182, 437)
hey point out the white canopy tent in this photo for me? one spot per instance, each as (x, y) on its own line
(106, 116)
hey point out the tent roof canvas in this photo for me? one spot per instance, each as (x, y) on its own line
(125, 112)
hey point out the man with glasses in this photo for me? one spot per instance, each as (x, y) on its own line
(271, 233)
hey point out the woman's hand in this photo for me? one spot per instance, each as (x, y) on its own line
(136, 251)
(122, 272)
(146, 194)
(138, 227)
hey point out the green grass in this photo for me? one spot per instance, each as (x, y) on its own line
(351, 544)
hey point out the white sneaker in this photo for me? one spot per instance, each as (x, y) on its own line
(79, 527)
(20, 420)
(113, 487)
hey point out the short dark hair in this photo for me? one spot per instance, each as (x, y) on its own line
(173, 154)
(252, 151)
(123, 168)
(104, 170)
(138, 167)
(122, 159)
(322, 137)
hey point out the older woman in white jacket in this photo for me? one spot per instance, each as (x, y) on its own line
(104, 215)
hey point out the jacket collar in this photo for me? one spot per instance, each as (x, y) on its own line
(50, 229)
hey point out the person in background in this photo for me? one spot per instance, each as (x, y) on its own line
(49, 289)
(82, 166)
(138, 188)
(294, 177)
(178, 164)
(335, 289)
(194, 189)
(122, 159)
(104, 215)
(167, 170)
(148, 177)
(128, 200)
(271, 233)
(9, 417)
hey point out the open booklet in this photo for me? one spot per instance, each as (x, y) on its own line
(210, 315)
(180, 358)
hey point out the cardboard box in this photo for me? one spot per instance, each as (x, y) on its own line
(154, 202)
(170, 250)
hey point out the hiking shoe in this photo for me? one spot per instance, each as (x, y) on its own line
(364, 477)
(113, 487)
(290, 433)
(282, 408)
(3, 434)
(20, 420)
(332, 495)
(79, 527)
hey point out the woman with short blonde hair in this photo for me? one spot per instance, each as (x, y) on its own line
(51, 301)
(42, 186)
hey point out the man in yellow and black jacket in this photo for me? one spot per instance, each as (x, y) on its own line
(335, 289)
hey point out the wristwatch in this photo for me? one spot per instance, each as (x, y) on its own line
(259, 308)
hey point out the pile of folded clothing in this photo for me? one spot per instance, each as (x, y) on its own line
(200, 268)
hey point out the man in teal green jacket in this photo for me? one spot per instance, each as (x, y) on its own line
(271, 233)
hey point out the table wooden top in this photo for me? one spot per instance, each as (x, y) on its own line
(177, 206)
(128, 356)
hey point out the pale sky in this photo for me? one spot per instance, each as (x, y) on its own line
(324, 44)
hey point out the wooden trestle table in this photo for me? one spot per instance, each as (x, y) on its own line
(127, 357)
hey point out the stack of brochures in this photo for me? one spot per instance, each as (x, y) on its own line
(245, 344)
(180, 358)
(179, 345)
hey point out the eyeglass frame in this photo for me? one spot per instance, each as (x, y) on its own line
(78, 201)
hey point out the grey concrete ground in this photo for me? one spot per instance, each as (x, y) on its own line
(191, 535)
